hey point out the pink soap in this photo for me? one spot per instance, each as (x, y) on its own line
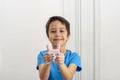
(53, 51)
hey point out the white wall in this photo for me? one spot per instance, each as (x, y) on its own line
(109, 40)
(22, 37)
(22, 34)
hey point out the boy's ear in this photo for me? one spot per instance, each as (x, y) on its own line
(68, 36)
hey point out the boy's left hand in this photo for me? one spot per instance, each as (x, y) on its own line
(59, 58)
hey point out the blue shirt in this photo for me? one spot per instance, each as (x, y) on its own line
(69, 57)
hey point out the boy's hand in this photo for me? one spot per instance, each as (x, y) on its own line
(53, 55)
(48, 58)
(59, 58)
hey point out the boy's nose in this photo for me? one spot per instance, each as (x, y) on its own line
(57, 33)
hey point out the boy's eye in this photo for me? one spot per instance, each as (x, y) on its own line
(61, 30)
(52, 31)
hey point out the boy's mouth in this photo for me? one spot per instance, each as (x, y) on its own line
(58, 39)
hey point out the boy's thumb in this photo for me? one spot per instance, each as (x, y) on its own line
(48, 48)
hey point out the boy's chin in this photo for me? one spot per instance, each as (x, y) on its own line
(56, 45)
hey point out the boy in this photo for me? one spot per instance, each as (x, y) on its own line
(63, 64)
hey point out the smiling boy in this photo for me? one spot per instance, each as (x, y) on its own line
(66, 62)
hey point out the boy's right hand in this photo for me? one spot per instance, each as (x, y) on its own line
(48, 58)
(51, 54)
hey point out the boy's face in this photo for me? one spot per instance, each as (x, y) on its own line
(57, 33)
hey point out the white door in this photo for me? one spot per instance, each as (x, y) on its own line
(108, 39)
(99, 39)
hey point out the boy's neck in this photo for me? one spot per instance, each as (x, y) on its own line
(63, 51)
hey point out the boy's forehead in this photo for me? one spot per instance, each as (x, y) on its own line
(57, 24)
(57, 28)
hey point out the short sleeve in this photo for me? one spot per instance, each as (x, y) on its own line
(40, 59)
(77, 61)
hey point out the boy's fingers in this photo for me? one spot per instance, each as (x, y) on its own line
(60, 54)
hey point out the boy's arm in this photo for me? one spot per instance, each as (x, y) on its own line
(67, 72)
(44, 71)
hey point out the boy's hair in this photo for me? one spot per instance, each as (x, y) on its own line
(62, 20)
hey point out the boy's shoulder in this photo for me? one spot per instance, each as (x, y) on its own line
(42, 52)
(70, 52)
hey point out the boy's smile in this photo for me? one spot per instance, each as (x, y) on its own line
(58, 33)
(57, 38)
